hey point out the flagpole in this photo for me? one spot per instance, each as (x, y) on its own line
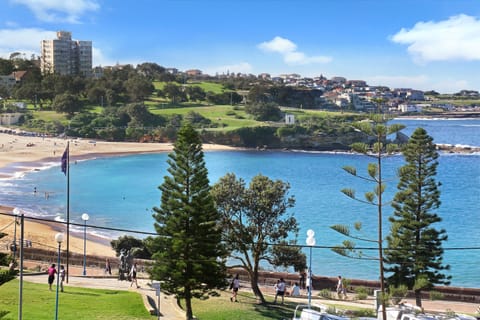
(68, 206)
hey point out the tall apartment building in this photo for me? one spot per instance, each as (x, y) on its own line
(66, 56)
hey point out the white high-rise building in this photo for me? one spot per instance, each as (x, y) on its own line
(66, 56)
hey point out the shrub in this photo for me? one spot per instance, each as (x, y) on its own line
(6, 276)
(367, 313)
(361, 293)
(397, 293)
(333, 310)
(325, 293)
(3, 259)
(435, 295)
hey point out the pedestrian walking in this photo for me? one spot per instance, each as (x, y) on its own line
(280, 290)
(234, 285)
(51, 275)
(108, 267)
(61, 274)
(133, 275)
(341, 288)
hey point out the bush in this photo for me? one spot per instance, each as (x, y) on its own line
(3, 259)
(6, 276)
(325, 293)
(397, 293)
(361, 293)
(363, 313)
(435, 295)
(264, 112)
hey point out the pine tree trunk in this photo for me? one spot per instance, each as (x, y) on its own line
(188, 304)
(418, 298)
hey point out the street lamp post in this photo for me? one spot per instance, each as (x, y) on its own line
(58, 239)
(16, 212)
(310, 242)
(85, 218)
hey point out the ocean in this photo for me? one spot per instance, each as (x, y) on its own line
(121, 191)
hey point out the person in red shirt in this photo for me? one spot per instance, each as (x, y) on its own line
(51, 275)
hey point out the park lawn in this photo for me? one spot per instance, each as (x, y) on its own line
(206, 86)
(210, 86)
(225, 116)
(456, 102)
(220, 307)
(319, 113)
(158, 85)
(49, 116)
(74, 304)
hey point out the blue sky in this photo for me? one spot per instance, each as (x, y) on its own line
(421, 44)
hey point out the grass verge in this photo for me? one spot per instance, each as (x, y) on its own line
(74, 304)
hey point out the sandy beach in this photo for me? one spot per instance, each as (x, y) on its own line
(20, 153)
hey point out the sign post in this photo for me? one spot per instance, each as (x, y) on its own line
(156, 286)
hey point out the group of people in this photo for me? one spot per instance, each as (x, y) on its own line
(51, 276)
(281, 288)
(52, 271)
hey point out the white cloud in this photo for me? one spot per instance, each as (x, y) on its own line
(59, 10)
(457, 38)
(99, 59)
(23, 40)
(288, 50)
(278, 44)
(242, 67)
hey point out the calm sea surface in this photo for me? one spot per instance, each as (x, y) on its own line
(120, 192)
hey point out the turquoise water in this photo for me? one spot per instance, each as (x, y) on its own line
(121, 191)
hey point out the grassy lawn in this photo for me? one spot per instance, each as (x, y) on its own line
(225, 116)
(74, 304)
(217, 308)
(456, 102)
(210, 86)
(220, 307)
(206, 86)
(49, 116)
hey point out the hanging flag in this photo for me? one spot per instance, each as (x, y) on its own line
(65, 160)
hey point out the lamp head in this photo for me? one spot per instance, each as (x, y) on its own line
(16, 211)
(310, 233)
(310, 237)
(59, 237)
(310, 241)
(85, 217)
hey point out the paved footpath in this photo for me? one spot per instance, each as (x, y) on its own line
(169, 309)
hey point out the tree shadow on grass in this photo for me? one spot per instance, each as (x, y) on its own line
(76, 293)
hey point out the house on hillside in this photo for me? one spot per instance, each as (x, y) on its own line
(289, 119)
(404, 107)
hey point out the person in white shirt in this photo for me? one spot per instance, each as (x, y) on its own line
(280, 290)
(133, 275)
(234, 285)
(295, 290)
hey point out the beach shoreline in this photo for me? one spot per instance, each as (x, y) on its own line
(20, 154)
